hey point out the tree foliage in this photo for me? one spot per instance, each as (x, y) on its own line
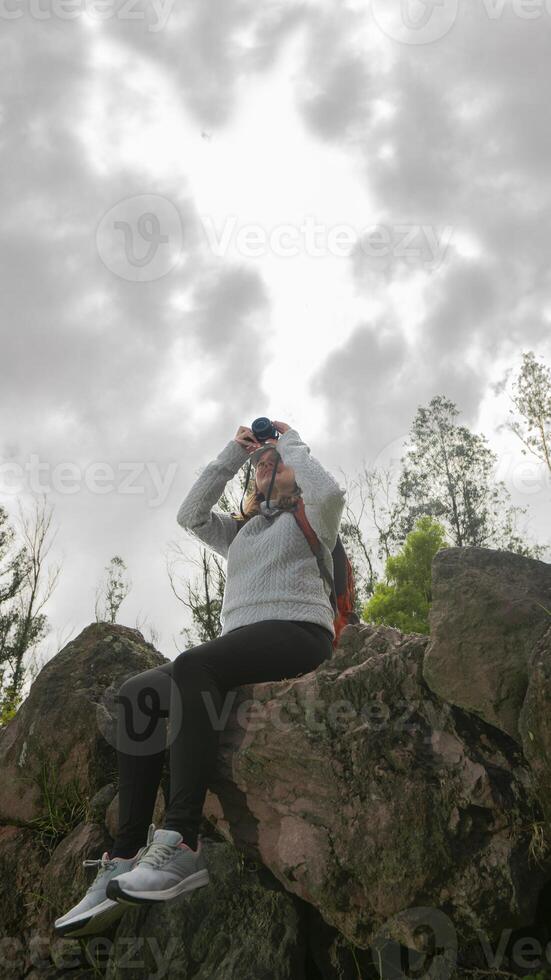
(404, 599)
(26, 584)
(112, 591)
(532, 401)
(448, 474)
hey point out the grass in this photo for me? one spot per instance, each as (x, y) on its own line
(64, 806)
(538, 847)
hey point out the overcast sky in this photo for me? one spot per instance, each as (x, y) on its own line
(326, 213)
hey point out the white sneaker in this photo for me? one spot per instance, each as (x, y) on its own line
(96, 911)
(166, 868)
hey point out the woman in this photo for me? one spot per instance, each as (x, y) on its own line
(277, 623)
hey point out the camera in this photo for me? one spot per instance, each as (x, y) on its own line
(263, 429)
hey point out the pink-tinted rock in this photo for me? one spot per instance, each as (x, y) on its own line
(379, 797)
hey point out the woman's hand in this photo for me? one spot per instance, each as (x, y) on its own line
(281, 427)
(244, 436)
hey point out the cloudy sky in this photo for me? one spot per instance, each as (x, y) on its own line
(326, 213)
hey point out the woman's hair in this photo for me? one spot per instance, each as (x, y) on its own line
(253, 498)
(251, 503)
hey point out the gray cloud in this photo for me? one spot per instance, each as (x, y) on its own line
(467, 146)
(85, 352)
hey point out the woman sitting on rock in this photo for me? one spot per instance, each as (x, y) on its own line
(277, 623)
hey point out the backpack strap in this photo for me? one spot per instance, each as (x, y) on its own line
(300, 516)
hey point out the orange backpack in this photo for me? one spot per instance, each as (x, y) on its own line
(342, 586)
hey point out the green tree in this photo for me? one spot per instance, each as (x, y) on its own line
(448, 474)
(25, 587)
(112, 591)
(204, 597)
(532, 400)
(355, 543)
(403, 600)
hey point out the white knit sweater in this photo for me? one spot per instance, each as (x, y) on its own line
(271, 571)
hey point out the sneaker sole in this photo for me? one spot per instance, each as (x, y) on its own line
(92, 922)
(188, 884)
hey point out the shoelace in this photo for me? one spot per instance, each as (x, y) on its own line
(103, 864)
(157, 854)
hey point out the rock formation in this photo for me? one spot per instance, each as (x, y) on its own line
(396, 801)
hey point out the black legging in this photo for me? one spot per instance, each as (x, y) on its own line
(190, 693)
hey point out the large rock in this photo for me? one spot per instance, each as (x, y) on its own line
(53, 754)
(244, 925)
(535, 722)
(55, 790)
(379, 797)
(350, 807)
(69, 707)
(487, 616)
